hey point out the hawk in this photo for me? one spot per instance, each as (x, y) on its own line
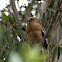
(34, 31)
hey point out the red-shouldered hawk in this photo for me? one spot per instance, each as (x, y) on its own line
(34, 31)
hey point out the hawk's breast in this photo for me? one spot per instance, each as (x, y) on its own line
(33, 32)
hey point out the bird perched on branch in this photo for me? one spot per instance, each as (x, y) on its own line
(34, 31)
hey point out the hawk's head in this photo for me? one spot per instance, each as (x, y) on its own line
(31, 20)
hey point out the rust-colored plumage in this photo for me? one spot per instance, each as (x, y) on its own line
(34, 31)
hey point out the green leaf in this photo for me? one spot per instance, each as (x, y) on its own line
(52, 9)
(4, 17)
(44, 18)
(55, 4)
(60, 20)
(2, 36)
(14, 37)
(20, 31)
(8, 37)
(0, 60)
(61, 49)
(54, 53)
(7, 6)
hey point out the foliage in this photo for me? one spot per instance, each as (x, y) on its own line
(13, 40)
(29, 54)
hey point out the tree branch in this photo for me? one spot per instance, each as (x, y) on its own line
(28, 12)
(53, 19)
(16, 15)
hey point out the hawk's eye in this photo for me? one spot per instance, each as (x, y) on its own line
(31, 19)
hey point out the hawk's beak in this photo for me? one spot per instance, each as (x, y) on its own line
(28, 21)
